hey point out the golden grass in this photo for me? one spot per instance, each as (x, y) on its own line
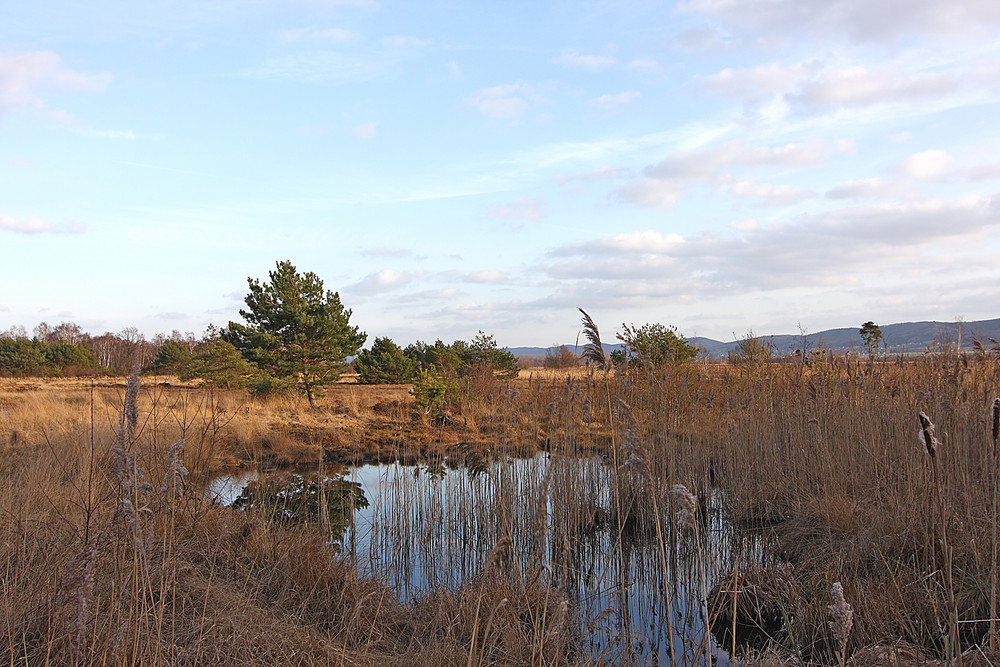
(824, 459)
(97, 571)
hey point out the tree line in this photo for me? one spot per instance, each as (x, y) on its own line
(296, 335)
(66, 350)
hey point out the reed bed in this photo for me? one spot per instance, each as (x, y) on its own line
(804, 476)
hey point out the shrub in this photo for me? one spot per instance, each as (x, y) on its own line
(561, 357)
(384, 363)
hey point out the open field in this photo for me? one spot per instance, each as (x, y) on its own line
(824, 463)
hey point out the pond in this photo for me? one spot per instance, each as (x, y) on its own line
(417, 527)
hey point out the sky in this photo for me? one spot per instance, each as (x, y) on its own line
(722, 166)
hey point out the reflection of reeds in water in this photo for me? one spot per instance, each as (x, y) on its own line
(548, 516)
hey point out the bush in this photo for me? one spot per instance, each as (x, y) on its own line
(653, 346)
(220, 364)
(172, 357)
(384, 363)
(560, 358)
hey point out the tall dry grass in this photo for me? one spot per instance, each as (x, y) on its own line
(112, 556)
(821, 462)
(826, 461)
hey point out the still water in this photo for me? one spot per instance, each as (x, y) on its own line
(418, 527)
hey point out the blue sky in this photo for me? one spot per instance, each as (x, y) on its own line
(450, 166)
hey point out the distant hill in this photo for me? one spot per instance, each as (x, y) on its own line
(903, 338)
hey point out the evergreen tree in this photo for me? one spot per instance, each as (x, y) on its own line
(295, 330)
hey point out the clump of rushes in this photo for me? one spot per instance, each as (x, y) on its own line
(687, 519)
(953, 648)
(841, 622)
(637, 462)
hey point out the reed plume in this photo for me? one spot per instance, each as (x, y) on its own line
(687, 517)
(841, 622)
(593, 352)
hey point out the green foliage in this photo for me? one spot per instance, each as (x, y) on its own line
(433, 390)
(66, 355)
(220, 364)
(295, 330)
(653, 346)
(384, 363)
(484, 354)
(460, 359)
(20, 356)
(443, 359)
(296, 499)
(871, 334)
(448, 370)
(172, 357)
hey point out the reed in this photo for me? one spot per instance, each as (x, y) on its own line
(809, 466)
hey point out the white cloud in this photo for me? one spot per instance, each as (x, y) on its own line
(703, 164)
(24, 77)
(813, 88)
(912, 173)
(491, 276)
(575, 59)
(745, 226)
(628, 244)
(771, 195)
(860, 20)
(863, 189)
(380, 282)
(701, 39)
(519, 209)
(652, 193)
(812, 250)
(757, 82)
(861, 87)
(926, 165)
(982, 172)
(614, 101)
(38, 226)
(365, 130)
(444, 293)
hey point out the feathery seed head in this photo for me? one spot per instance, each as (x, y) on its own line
(841, 616)
(687, 505)
(173, 479)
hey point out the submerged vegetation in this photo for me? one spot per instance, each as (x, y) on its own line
(857, 498)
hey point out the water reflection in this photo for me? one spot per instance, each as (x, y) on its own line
(429, 526)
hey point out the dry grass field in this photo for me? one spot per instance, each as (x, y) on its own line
(111, 556)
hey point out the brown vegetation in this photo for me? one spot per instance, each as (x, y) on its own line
(823, 461)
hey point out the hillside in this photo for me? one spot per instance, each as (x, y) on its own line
(901, 338)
